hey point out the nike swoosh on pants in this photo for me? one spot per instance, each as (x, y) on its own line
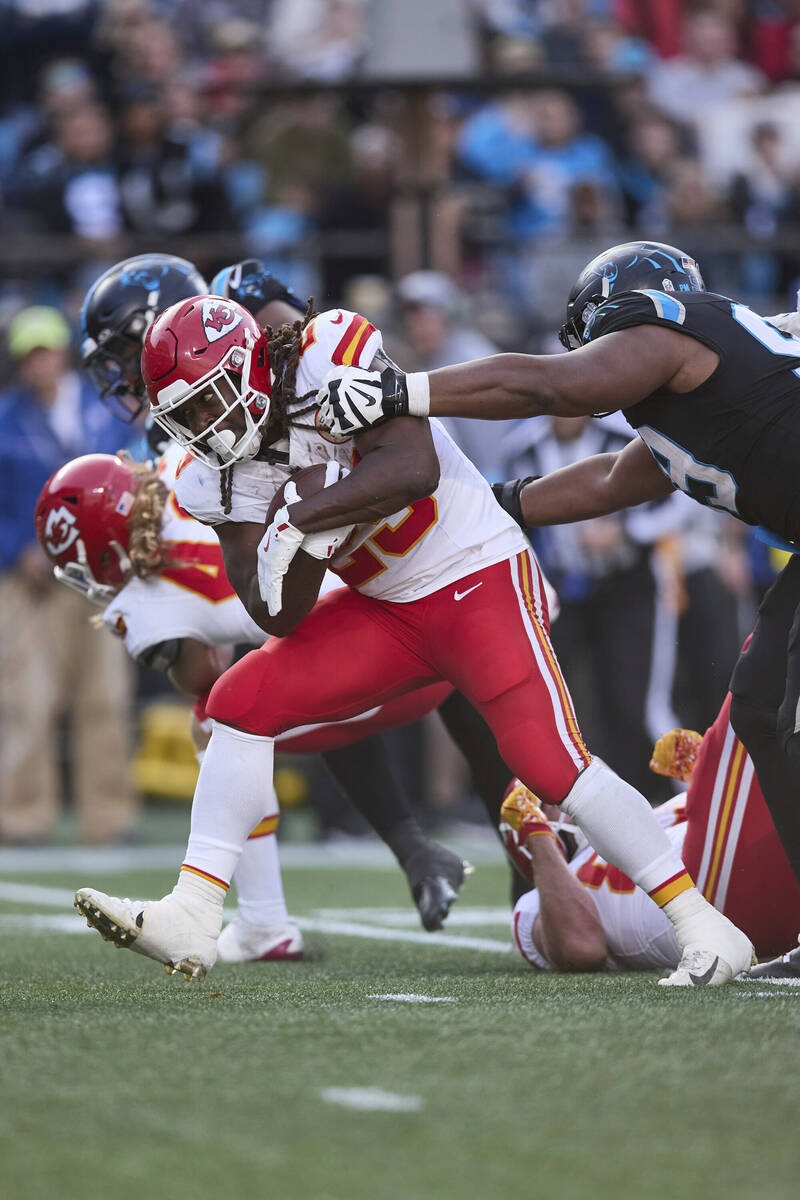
(461, 595)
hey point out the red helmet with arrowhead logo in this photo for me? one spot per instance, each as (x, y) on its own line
(209, 351)
(82, 522)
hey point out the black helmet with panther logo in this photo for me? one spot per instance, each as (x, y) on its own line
(118, 310)
(626, 268)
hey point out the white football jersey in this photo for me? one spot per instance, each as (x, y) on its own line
(638, 934)
(459, 529)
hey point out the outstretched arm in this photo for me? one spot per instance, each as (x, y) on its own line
(595, 487)
(614, 372)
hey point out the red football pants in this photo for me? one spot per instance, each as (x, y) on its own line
(332, 735)
(731, 848)
(487, 634)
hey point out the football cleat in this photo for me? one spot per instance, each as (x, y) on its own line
(242, 942)
(786, 966)
(435, 876)
(181, 937)
(715, 957)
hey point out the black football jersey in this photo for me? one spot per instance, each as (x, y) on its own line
(734, 442)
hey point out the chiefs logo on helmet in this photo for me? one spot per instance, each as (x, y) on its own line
(60, 531)
(218, 319)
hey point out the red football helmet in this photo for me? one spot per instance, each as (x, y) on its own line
(81, 520)
(213, 348)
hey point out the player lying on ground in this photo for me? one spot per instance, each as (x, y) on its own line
(711, 388)
(585, 915)
(442, 585)
(115, 533)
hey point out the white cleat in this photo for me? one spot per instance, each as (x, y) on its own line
(241, 942)
(181, 937)
(716, 957)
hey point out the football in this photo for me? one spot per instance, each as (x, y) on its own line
(303, 580)
(308, 482)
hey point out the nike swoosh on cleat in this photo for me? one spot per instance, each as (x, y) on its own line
(461, 595)
(700, 980)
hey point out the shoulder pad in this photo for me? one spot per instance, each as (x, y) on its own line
(645, 307)
(338, 338)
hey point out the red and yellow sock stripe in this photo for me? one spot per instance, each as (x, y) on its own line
(205, 875)
(672, 887)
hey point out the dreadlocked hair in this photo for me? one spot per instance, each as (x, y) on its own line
(283, 347)
(146, 550)
(226, 488)
(283, 351)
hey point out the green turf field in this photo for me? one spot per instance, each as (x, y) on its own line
(484, 1080)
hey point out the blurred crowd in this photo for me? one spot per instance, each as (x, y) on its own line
(447, 170)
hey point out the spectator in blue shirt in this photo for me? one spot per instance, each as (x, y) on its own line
(52, 663)
(535, 148)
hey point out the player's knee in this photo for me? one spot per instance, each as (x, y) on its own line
(243, 697)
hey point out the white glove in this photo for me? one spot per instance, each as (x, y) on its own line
(275, 552)
(282, 540)
(325, 544)
(350, 400)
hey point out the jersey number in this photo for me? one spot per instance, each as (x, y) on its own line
(709, 485)
(394, 541)
(702, 481)
(595, 872)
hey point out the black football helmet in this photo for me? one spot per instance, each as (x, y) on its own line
(118, 310)
(626, 268)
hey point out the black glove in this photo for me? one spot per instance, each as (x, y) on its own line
(509, 496)
(250, 284)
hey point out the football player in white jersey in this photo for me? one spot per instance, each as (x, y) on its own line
(441, 586)
(115, 532)
(117, 311)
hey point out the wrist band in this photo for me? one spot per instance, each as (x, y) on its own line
(418, 389)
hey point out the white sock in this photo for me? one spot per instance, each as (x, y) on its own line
(229, 800)
(258, 882)
(195, 892)
(621, 826)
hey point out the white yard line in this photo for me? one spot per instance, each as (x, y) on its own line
(411, 998)
(66, 923)
(401, 917)
(43, 923)
(111, 860)
(373, 1099)
(44, 897)
(351, 929)
(774, 982)
(34, 894)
